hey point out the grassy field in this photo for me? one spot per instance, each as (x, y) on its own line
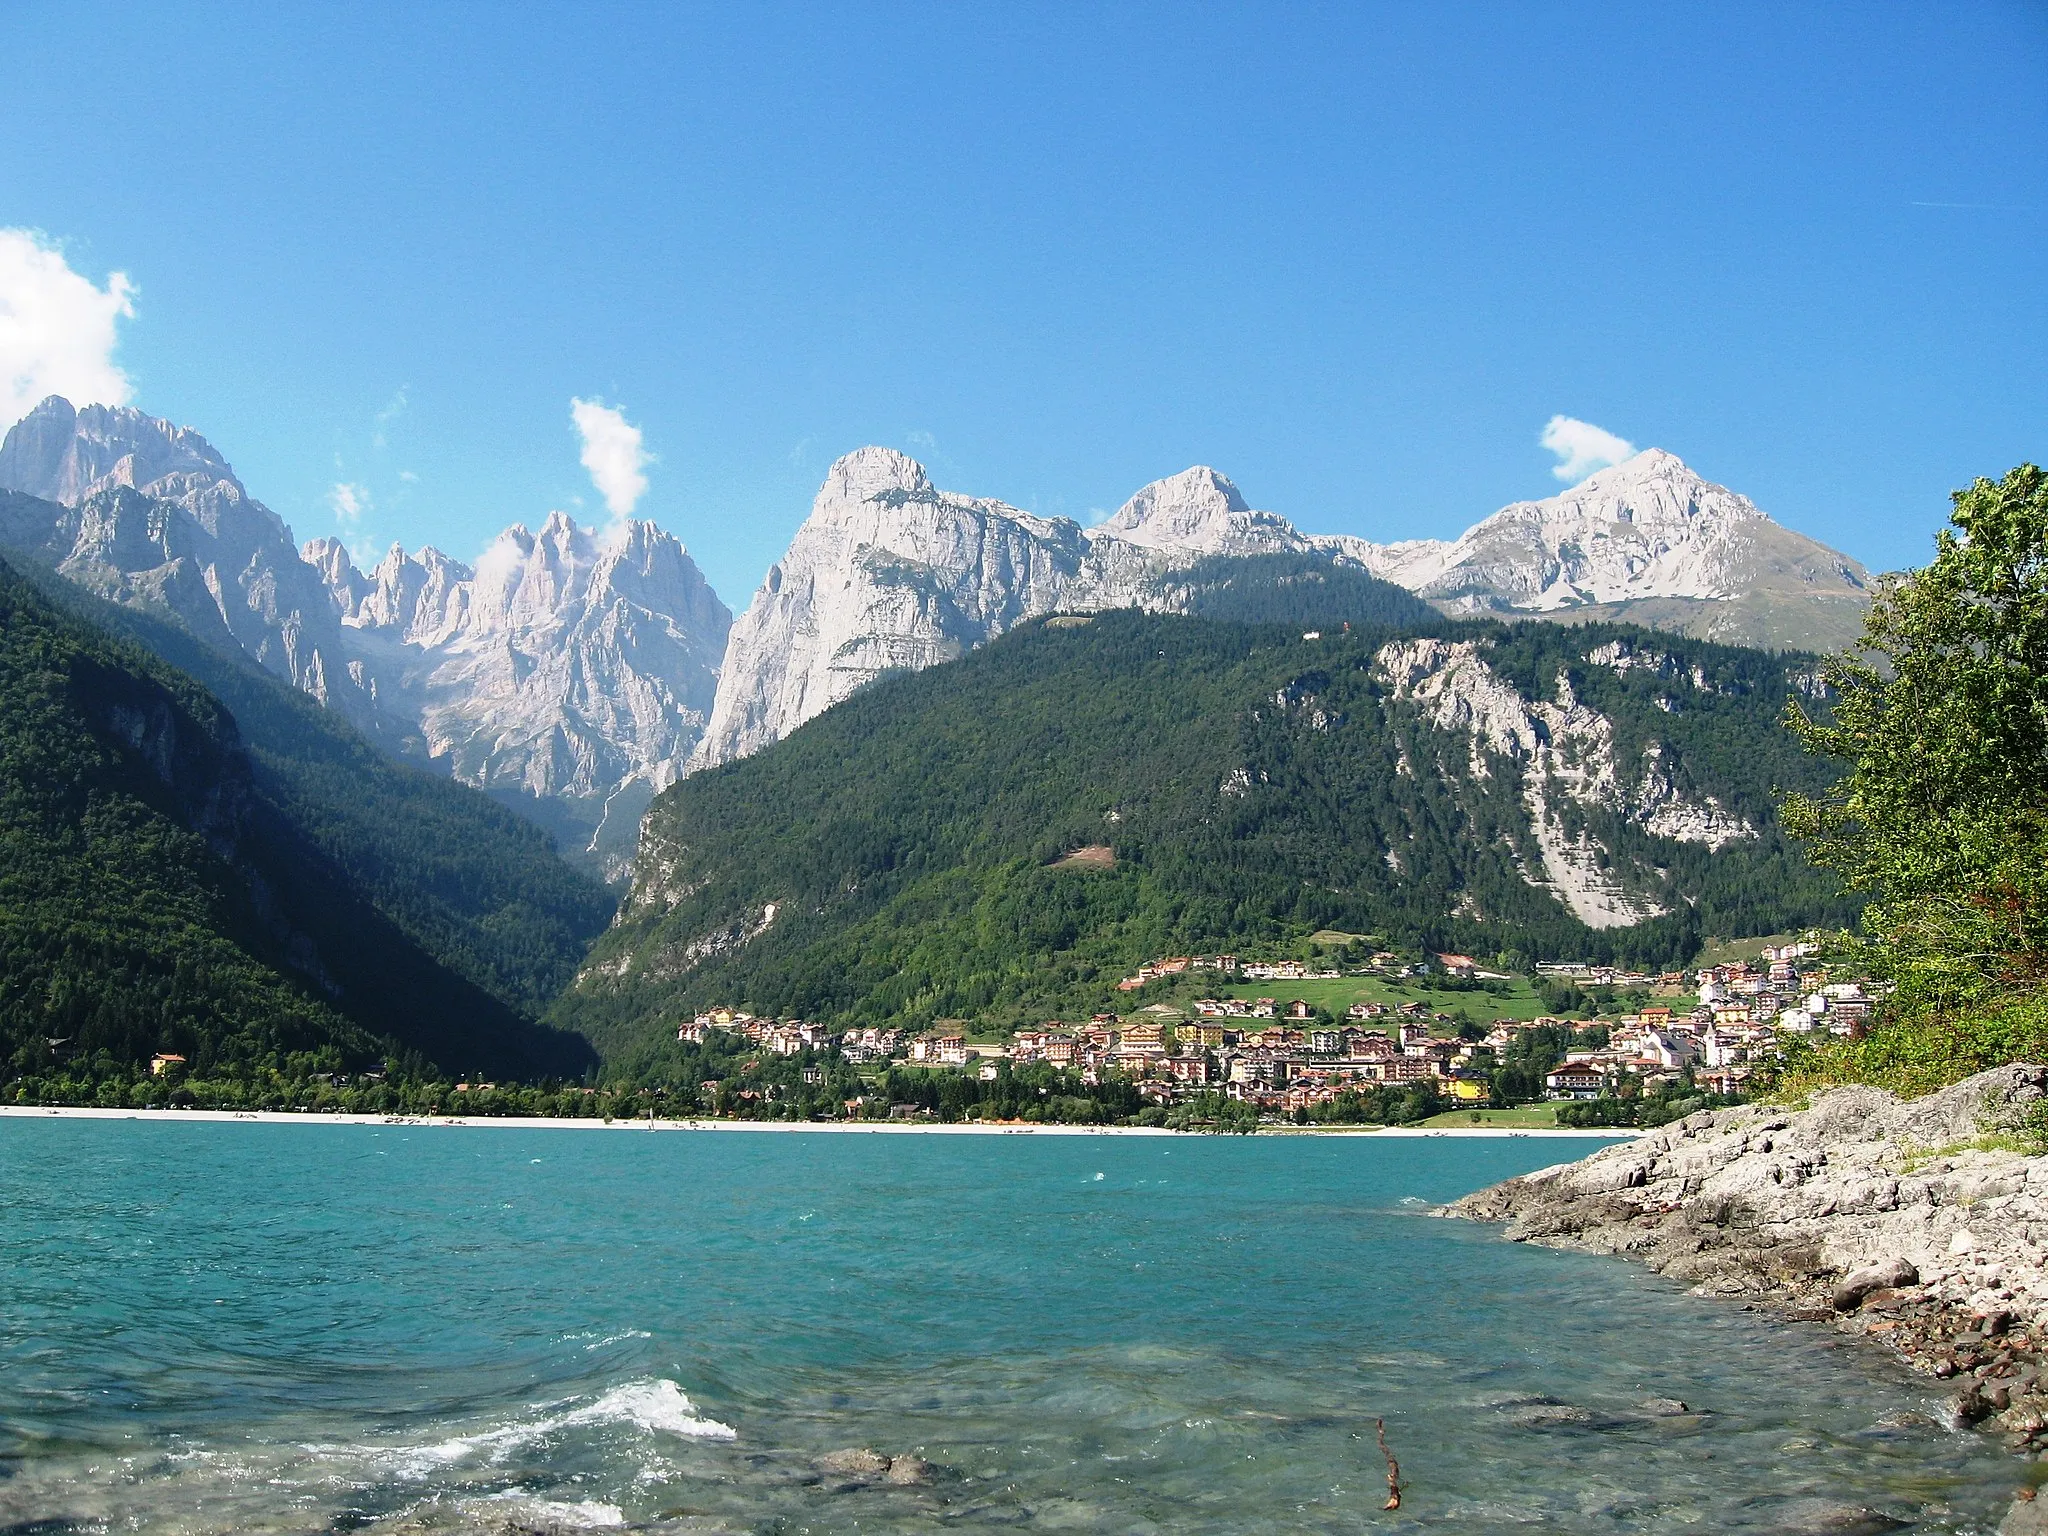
(1728, 951)
(1518, 1001)
(1530, 1117)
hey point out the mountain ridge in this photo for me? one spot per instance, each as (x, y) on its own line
(575, 674)
(569, 674)
(890, 573)
(1591, 792)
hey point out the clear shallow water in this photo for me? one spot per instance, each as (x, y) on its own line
(209, 1327)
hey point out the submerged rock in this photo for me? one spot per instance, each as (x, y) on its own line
(1912, 1222)
(852, 1462)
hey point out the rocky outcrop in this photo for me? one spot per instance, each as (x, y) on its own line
(147, 513)
(575, 667)
(1922, 1223)
(1565, 755)
(1647, 528)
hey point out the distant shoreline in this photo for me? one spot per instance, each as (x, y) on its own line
(839, 1127)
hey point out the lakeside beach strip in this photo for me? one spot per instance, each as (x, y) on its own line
(857, 1128)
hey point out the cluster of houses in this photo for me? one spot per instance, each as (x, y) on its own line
(1742, 1014)
(1280, 1057)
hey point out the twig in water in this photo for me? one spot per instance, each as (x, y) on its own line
(1393, 1468)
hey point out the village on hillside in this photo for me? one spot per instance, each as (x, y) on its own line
(1282, 1054)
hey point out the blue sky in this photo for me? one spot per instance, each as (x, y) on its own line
(1354, 256)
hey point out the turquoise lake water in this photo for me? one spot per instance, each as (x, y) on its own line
(231, 1327)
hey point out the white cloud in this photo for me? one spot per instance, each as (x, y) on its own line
(923, 440)
(57, 330)
(349, 502)
(1582, 447)
(391, 412)
(613, 454)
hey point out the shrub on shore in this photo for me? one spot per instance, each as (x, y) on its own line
(1942, 817)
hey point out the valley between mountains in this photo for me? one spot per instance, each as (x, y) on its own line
(855, 801)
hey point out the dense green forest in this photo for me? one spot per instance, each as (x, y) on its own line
(1304, 591)
(900, 859)
(473, 883)
(164, 888)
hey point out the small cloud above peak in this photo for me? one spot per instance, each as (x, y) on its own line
(57, 328)
(1582, 447)
(349, 502)
(613, 454)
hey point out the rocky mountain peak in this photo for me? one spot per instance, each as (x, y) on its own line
(1653, 487)
(875, 474)
(64, 454)
(1199, 511)
(161, 521)
(1648, 539)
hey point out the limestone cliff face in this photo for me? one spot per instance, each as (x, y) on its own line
(571, 666)
(1648, 531)
(145, 512)
(886, 574)
(1565, 753)
(890, 574)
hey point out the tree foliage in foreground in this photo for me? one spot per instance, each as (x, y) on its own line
(1941, 816)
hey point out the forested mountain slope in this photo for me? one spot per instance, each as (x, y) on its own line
(1591, 791)
(167, 886)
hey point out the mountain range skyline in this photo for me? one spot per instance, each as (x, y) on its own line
(188, 457)
(578, 672)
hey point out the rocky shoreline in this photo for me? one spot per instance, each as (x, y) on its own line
(1920, 1224)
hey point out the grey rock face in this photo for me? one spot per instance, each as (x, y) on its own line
(889, 574)
(571, 666)
(1647, 540)
(147, 513)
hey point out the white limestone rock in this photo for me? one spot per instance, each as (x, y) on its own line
(1810, 1206)
(1564, 751)
(890, 574)
(1199, 512)
(1647, 527)
(152, 515)
(886, 574)
(570, 666)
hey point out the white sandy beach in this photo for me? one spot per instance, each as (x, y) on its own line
(834, 1127)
